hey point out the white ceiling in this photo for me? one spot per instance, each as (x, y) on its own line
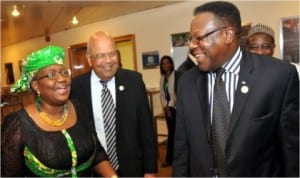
(39, 18)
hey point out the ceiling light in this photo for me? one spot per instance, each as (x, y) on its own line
(15, 11)
(75, 21)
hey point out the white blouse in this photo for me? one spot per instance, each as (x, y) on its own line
(171, 89)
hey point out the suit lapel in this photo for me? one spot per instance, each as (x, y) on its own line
(86, 89)
(120, 96)
(203, 99)
(85, 93)
(244, 88)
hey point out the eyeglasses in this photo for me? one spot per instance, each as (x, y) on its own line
(255, 47)
(102, 56)
(53, 74)
(198, 39)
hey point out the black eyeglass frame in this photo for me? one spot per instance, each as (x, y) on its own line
(197, 39)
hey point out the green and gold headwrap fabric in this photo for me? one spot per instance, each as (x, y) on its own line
(34, 62)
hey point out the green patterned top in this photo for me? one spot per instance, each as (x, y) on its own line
(40, 169)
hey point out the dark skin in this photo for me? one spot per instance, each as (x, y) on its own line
(55, 94)
(261, 43)
(214, 50)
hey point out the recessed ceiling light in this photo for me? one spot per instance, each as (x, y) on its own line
(15, 11)
(75, 21)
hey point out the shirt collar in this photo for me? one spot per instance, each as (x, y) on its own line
(96, 79)
(233, 65)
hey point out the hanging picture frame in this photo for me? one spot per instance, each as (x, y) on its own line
(150, 59)
(289, 38)
(180, 48)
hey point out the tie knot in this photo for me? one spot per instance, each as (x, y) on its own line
(219, 72)
(104, 83)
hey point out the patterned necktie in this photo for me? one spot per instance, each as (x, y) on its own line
(109, 119)
(220, 125)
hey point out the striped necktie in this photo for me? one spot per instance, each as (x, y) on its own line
(220, 125)
(109, 119)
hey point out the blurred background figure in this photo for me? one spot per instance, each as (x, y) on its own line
(261, 40)
(168, 101)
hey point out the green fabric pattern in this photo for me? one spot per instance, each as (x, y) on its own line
(34, 62)
(73, 152)
(38, 168)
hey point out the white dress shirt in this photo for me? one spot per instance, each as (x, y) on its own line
(96, 89)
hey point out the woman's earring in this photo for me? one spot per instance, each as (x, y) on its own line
(39, 98)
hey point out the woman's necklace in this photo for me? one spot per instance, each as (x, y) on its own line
(59, 122)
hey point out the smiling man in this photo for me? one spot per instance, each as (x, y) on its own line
(260, 40)
(118, 96)
(242, 121)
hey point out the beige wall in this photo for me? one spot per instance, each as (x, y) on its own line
(152, 29)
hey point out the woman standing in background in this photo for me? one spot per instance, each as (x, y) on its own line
(168, 101)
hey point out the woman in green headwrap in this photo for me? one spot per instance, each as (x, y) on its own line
(50, 137)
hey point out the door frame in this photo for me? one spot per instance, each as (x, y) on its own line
(125, 38)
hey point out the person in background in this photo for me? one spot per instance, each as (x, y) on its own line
(237, 114)
(189, 63)
(168, 101)
(260, 40)
(50, 137)
(132, 146)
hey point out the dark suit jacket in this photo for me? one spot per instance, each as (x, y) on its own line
(185, 66)
(264, 126)
(136, 139)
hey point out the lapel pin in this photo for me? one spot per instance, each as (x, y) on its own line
(244, 89)
(121, 88)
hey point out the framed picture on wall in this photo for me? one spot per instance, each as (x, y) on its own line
(150, 59)
(289, 38)
(180, 39)
(179, 48)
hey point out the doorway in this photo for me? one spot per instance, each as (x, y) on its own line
(78, 62)
(126, 46)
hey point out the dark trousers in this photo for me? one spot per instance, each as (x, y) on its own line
(171, 121)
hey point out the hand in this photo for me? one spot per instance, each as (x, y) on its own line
(105, 169)
(150, 175)
(168, 111)
(169, 114)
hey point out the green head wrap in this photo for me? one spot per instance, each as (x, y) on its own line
(34, 62)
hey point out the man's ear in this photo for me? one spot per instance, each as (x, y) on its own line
(229, 35)
(88, 57)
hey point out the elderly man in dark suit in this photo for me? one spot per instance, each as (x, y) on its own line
(250, 130)
(133, 135)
